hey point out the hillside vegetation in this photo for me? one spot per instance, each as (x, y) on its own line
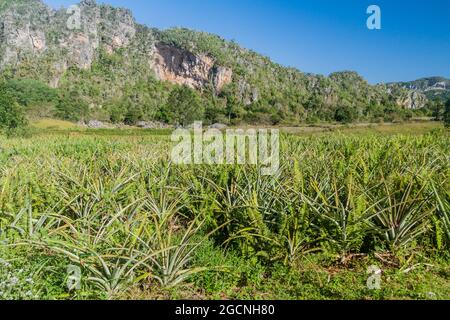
(113, 69)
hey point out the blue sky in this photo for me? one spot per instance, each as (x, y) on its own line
(318, 36)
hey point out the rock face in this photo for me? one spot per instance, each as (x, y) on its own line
(221, 77)
(95, 124)
(413, 100)
(431, 88)
(32, 30)
(21, 36)
(75, 36)
(184, 68)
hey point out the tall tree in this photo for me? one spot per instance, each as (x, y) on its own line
(447, 114)
(12, 115)
(184, 106)
(71, 106)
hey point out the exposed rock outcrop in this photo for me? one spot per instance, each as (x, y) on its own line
(22, 33)
(152, 125)
(432, 87)
(95, 124)
(413, 100)
(31, 32)
(221, 77)
(185, 68)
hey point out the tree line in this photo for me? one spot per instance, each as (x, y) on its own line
(175, 105)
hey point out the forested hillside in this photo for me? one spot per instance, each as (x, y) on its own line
(111, 68)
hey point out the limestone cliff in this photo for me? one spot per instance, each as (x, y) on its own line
(29, 33)
(185, 68)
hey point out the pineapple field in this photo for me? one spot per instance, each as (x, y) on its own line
(105, 214)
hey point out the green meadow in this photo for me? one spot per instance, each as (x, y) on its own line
(105, 214)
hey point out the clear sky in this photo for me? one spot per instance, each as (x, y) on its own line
(318, 36)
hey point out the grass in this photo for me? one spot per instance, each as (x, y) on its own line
(110, 203)
(414, 128)
(52, 124)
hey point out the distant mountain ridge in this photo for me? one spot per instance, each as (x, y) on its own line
(116, 69)
(432, 87)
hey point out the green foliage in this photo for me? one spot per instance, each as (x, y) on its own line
(447, 114)
(184, 106)
(132, 221)
(28, 92)
(437, 109)
(197, 42)
(16, 283)
(133, 115)
(12, 115)
(443, 210)
(117, 112)
(345, 114)
(71, 106)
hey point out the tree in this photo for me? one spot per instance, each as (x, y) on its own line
(71, 106)
(117, 113)
(12, 115)
(28, 92)
(447, 114)
(133, 115)
(184, 106)
(345, 114)
(437, 110)
(215, 113)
